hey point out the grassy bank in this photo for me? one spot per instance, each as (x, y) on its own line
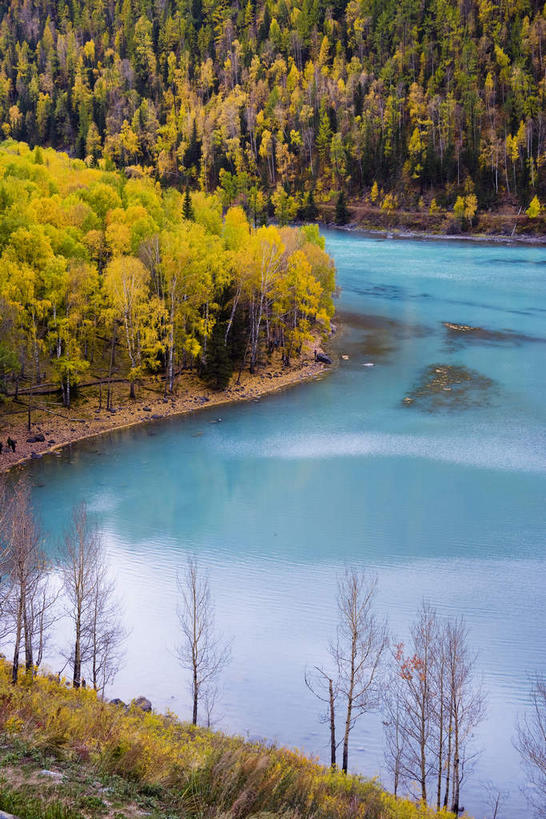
(66, 754)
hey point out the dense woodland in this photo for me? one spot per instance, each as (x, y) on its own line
(103, 276)
(283, 105)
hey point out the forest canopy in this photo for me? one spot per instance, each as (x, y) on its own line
(101, 275)
(280, 105)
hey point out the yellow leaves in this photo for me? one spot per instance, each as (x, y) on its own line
(296, 139)
(465, 207)
(389, 203)
(286, 206)
(265, 144)
(293, 79)
(236, 229)
(118, 238)
(89, 50)
(534, 208)
(125, 281)
(503, 61)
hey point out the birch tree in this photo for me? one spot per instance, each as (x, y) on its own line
(359, 650)
(201, 651)
(431, 708)
(28, 601)
(98, 633)
(106, 633)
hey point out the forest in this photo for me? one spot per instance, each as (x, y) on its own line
(103, 276)
(281, 106)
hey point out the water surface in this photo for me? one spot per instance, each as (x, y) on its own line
(442, 496)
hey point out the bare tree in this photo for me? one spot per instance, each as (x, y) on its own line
(410, 710)
(6, 517)
(325, 688)
(530, 741)
(359, 650)
(42, 615)
(431, 708)
(395, 737)
(91, 605)
(201, 651)
(495, 798)
(106, 633)
(28, 601)
(465, 706)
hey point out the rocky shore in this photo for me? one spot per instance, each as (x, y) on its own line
(53, 431)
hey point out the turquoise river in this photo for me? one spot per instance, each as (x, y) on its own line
(442, 496)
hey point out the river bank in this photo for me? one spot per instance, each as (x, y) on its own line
(401, 233)
(86, 420)
(510, 226)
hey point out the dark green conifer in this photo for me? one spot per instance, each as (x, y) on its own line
(310, 210)
(342, 214)
(218, 368)
(187, 207)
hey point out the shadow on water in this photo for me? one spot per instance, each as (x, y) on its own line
(375, 337)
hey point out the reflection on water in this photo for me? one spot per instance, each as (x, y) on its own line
(282, 494)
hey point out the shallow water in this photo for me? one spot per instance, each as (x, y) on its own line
(443, 498)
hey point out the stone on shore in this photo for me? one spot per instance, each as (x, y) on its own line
(143, 703)
(323, 358)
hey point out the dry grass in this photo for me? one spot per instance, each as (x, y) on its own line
(185, 771)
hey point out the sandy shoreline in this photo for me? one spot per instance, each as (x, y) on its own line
(85, 421)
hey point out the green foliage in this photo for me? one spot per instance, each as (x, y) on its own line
(187, 209)
(219, 366)
(342, 214)
(317, 96)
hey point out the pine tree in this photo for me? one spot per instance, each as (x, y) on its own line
(310, 210)
(192, 156)
(342, 214)
(187, 207)
(219, 368)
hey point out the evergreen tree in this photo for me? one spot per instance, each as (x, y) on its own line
(310, 210)
(192, 156)
(187, 207)
(342, 214)
(218, 368)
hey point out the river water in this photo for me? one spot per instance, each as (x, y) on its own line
(442, 496)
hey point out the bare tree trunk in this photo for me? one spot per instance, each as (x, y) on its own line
(201, 652)
(17, 642)
(332, 724)
(358, 652)
(348, 718)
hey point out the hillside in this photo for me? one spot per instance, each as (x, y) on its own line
(423, 106)
(65, 754)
